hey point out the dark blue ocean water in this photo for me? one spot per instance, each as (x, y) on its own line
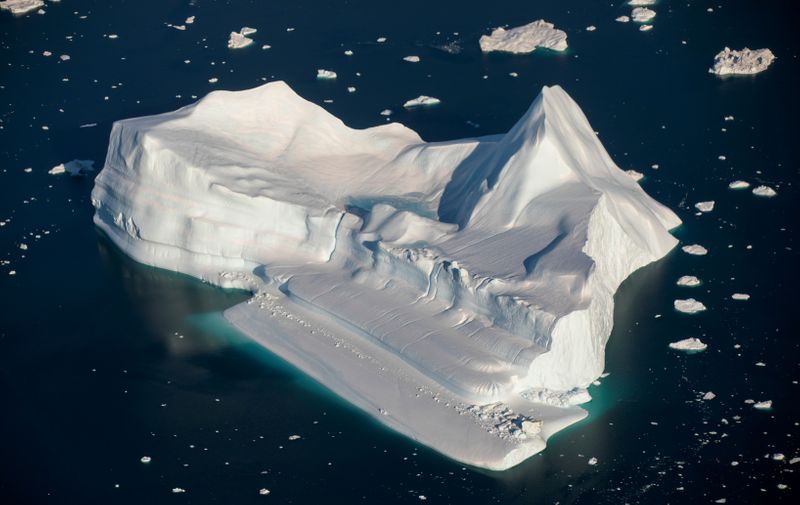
(103, 361)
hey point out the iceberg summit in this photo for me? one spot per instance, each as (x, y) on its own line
(460, 292)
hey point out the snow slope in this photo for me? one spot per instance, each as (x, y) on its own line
(433, 285)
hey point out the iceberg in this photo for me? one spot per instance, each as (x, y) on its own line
(695, 250)
(746, 61)
(428, 284)
(421, 101)
(689, 344)
(326, 74)
(238, 40)
(739, 185)
(642, 14)
(765, 191)
(525, 39)
(689, 281)
(689, 306)
(706, 206)
(19, 7)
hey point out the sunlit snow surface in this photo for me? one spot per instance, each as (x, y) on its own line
(416, 280)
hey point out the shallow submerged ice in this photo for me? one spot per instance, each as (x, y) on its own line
(525, 39)
(430, 284)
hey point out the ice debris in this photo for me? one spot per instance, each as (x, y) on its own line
(238, 40)
(739, 185)
(421, 101)
(763, 405)
(695, 250)
(326, 74)
(411, 59)
(764, 191)
(642, 14)
(688, 280)
(20, 7)
(704, 206)
(740, 296)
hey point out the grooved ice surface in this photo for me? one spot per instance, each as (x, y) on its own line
(430, 284)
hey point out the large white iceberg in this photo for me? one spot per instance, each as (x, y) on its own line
(430, 284)
(20, 7)
(746, 61)
(525, 39)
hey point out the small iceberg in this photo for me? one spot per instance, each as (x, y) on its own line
(704, 206)
(689, 344)
(688, 281)
(689, 306)
(744, 62)
(238, 40)
(19, 7)
(642, 14)
(695, 250)
(765, 191)
(326, 74)
(420, 101)
(739, 185)
(525, 39)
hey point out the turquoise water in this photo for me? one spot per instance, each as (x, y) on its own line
(103, 361)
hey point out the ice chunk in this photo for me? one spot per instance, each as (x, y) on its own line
(763, 405)
(688, 280)
(263, 491)
(189, 20)
(642, 14)
(411, 59)
(413, 279)
(74, 168)
(739, 185)
(764, 191)
(709, 396)
(20, 7)
(645, 28)
(326, 74)
(689, 306)
(705, 206)
(525, 39)
(246, 30)
(635, 3)
(238, 40)
(178, 490)
(421, 101)
(746, 61)
(688, 344)
(740, 296)
(592, 461)
(146, 459)
(623, 19)
(695, 250)
(591, 28)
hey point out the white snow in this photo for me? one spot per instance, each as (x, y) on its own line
(739, 185)
(695, 250)
(740, 296)
(689, 306)
(764, 191)
(642, 14)
(74, 168)
(689, 281)
(633, 174)
(238, 40)
(707, 206)
(746, 61)
(525, 39)
(20, 7)
(689, 344)
(326, 74)
(429, 284)
(421, 101)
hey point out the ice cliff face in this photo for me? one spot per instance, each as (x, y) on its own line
(483, 267)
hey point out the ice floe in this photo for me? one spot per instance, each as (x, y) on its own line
(642, 14)
(739, 185)
(764, 191)
(695, 250)
(740, 296)
(706, 206)
(238, 40)
(688, 280)
(20, 7)
(326, 74)
(420, 101)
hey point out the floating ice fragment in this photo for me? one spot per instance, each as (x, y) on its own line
(778, 456)
(326, 74)
(739, 185)
(246, 30)
(635, 3)
(642, 14)
(623, 19)
(411, 59)
(64, 57)
(263, 491)
(746, 61)
(74, 167)
(380, 40)
(688, 280)
(177, 490)
(525, 39)
(645, 28)
(705, 206)
(189, 20)
(421, 100)
(695, 250)
(765, 191)
(740, 296)
(294, 437)
(689, 306)
(146, 459)
(348, 53)
(794, 461)
(181, 28)
(765, 405)
(213, 80)
(592, 461)
(689, 344)
(351, 89)
(591, 28)
(709, 396)
(386, 112)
